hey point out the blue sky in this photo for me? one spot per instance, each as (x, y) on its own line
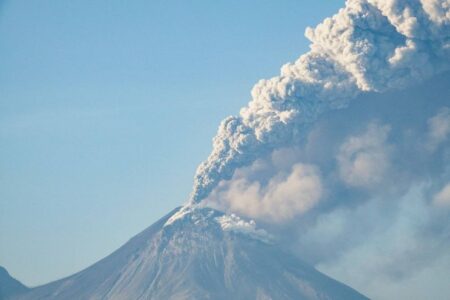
(107, 107)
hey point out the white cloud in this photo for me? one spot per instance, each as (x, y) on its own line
(437, 10)
(364, 159)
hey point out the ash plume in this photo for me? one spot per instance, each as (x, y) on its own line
(368, 46)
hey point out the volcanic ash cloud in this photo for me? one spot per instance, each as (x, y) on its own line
(368, 46)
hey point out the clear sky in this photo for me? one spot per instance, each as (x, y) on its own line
(107, 108)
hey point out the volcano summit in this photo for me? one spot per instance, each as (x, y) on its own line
(196, 253)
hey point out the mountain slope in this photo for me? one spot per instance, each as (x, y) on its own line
(9, 286)
(197, 253)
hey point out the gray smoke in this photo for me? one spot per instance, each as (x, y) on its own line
(365, 196)
(368, 46)
(346, 155)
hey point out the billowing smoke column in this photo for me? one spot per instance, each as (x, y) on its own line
(368, 46)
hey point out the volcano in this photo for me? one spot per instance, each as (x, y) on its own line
(9, 285)
(196, 253)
